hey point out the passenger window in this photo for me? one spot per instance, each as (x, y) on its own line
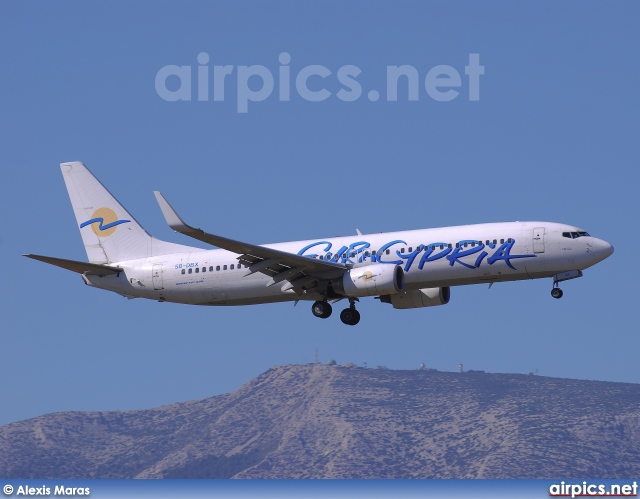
(465, 244)
(388, 252)
(182, 271)
(495, 241)
(239, 266)
(204, 269)
(442, 246)
(373, 252)
(501, 241)
(211, 269)
(449, 246)
(231, 266)
(401, 250)
(457, 245)
(224, 267)
(473, 244)
(217, 267)
(197, 270)
(487, 242)
(509, 240)
(410, 249)
(190, 270)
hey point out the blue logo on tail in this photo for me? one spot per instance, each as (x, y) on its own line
(103, 222)
(102, 227)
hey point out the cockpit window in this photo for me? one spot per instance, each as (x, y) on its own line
(575, 235)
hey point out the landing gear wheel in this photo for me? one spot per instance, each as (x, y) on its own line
(321, 309)
(556, 293)
(350, 316)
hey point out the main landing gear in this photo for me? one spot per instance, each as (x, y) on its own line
(349, 316)
(321, 309)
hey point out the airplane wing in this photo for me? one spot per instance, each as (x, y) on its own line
(79, 267)
(301, 272)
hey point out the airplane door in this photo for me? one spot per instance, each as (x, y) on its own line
(538, 240)
(156, 277)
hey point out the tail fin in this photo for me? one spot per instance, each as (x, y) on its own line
(109, 232)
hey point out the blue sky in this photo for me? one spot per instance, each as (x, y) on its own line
(553, 136)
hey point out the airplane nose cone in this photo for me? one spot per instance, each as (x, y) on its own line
(603, 248)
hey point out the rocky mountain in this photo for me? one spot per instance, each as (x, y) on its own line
(320, 421)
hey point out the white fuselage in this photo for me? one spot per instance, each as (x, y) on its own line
(430, 258)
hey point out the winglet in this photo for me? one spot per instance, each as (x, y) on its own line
(170, 215)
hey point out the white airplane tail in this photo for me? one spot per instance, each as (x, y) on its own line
(109, 233)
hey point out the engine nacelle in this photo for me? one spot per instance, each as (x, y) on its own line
(371, 280)
(427, 297)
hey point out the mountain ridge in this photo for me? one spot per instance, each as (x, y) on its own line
(320, 421)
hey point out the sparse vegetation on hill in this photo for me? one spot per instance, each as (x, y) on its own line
(330, 421)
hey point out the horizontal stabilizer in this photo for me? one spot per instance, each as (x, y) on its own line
(79, 267)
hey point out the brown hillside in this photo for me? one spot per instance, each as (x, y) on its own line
(347, 422)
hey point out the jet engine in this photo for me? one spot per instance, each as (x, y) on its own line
(371, 280)
(427, 297)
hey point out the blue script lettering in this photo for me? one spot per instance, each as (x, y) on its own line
(459, 252)
(340, 254)
(429, 257)
(504, 253)
(384, 248)
(480, 258)
(410, 257)
(357, 249)
(327, 248)
(357, 252)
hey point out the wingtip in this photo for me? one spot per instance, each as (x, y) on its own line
(170, 215)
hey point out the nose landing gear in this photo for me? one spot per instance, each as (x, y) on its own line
(556, 292)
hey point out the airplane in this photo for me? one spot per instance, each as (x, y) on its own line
(407, 269)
